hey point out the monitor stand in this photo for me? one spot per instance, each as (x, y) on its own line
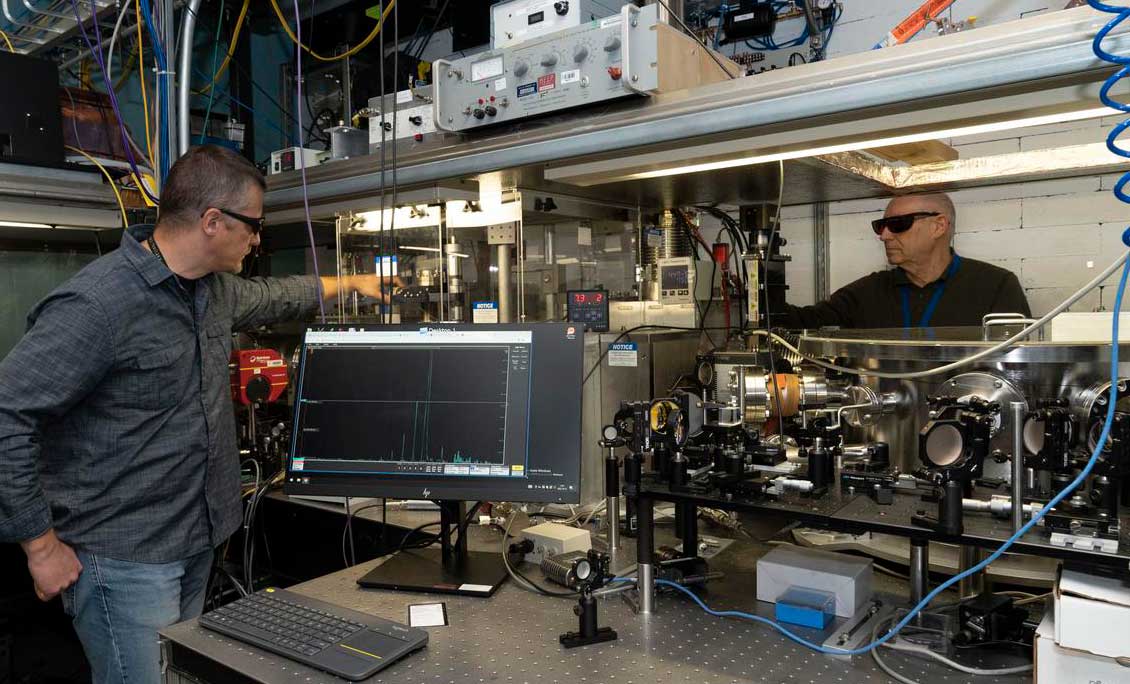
(450, 570)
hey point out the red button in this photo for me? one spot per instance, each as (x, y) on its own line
(419, 137)
(480, 100)
(615, 73)
(492, 98)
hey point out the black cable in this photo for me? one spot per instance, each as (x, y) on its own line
(424, 45)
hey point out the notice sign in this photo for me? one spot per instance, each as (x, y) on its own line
(624, 354)
(547, 82)
(484, 312)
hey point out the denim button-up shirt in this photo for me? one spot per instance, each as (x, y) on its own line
(116, 420)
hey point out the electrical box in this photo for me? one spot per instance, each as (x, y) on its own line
(516, 22)
(293, 158)
(553, 539)
(847, 578)
(408, 114)
(588, 307)
(627, 54)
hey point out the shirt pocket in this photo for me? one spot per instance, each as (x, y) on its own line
(158, 378)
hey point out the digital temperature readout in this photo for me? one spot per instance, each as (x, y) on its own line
(589, 307)
(588, 298)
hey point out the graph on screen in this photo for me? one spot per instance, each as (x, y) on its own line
(421, 405)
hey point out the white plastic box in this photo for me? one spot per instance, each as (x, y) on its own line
(845, 577)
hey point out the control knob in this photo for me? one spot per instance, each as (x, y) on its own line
(580, 53)
(520, 68)
(612, 44)
(549, 59)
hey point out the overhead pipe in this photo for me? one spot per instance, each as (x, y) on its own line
(188, 27)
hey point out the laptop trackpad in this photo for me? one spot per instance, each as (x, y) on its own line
(374, 644)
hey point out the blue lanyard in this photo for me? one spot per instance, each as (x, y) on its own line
(939, 289)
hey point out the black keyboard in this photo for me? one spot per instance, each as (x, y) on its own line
(340, 641)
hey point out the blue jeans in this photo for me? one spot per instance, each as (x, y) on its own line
(118, 606)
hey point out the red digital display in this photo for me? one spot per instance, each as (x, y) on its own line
(588, 297)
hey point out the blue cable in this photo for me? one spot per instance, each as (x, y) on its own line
(163, 141)
(1039, 515)
(1122, 14)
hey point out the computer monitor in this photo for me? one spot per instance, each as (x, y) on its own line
(447, 412)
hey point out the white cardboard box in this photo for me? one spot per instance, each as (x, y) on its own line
(847, 577)
(1092, 614)
(1055, 664)
(1088, 326)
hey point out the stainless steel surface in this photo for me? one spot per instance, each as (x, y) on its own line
(347, 141)
(1019, 410)
(184, 69)
(646, 587)
(1029, 372)
(662, 357)
(505, 296)
(512, 637)
(821, 246)
(985, 71)
(974, 584)
(919, 570)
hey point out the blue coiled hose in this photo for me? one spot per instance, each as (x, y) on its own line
(1121, 15)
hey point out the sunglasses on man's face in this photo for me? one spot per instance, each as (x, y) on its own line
(255, 223)
(901, 223)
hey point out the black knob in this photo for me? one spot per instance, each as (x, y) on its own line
(258, 389)
(387, 126)
(478, 113)
(561, 7)
(416, 120)
(491, 110)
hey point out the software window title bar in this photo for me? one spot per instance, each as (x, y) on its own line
(437, 335)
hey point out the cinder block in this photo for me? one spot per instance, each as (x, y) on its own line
(1042, 299)
(1059, 271)
(1030, 242)
(852, 227)
(980, 216)
(1077, 136)
(988, 149)
(1067, 210)
(853, 259)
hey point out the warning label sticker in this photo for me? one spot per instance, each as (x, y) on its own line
(527, 89)
(547, 82)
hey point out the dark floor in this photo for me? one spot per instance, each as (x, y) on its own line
(37, 643)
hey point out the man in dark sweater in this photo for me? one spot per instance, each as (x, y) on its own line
(929, 286)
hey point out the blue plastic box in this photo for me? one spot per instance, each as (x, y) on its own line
(806, 607)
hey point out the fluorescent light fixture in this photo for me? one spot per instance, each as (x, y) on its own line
(22, 224)
(878, 142)
(478, 215)
(412, 216)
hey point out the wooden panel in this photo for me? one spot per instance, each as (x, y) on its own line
(925, 152)
(686, 64)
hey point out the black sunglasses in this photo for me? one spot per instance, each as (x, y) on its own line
(257, 224)
(897, 224)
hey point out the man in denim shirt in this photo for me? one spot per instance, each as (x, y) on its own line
(119, 468)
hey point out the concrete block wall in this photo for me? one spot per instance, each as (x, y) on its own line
(1055, 235)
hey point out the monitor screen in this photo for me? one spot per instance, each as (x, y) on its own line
(440, 411)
